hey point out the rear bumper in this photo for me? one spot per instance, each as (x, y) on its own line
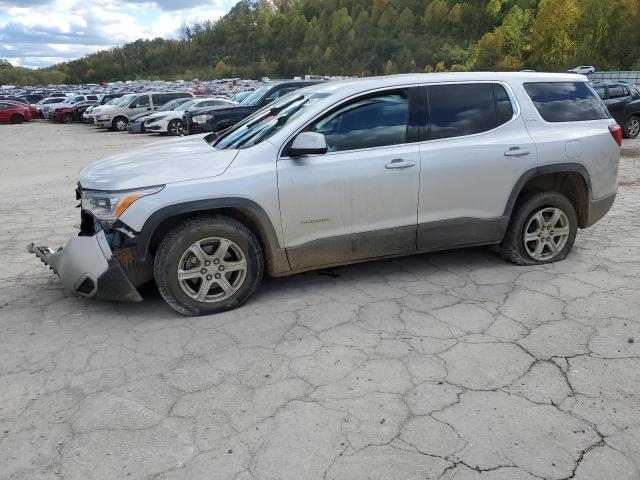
(87, 267)
(599, 208)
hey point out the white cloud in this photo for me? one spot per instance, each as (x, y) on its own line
(43, 32)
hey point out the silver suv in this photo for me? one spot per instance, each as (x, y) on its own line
(344, 172)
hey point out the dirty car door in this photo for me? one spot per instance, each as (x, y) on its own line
(359, 200)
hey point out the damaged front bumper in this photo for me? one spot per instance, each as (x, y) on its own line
(88, 267)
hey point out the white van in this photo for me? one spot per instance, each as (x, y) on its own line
(116, 117)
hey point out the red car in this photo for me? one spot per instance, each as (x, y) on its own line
(32, 108)
(14, 112)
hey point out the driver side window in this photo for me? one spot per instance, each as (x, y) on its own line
(141, 102)
(369, 122)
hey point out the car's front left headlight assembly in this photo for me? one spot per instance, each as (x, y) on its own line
(108, 206)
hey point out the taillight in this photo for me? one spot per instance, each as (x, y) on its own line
(616, 133)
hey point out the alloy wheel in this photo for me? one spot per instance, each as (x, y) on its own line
(212, 270)
(633, 127)
(546, 233)
(175, 128)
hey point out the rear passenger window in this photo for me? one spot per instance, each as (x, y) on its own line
(566, 101)
(465, 109)
(616, 91)
(600, 91)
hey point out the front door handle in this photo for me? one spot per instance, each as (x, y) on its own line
(399, 163)
(516, 152)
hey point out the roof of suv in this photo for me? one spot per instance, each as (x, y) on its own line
(360, 84)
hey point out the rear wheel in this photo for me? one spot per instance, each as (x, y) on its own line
(208, 264)
(16, 118)
(119, 124)
(175, 127)
(631, 127)
(67, 118)
(542, 229)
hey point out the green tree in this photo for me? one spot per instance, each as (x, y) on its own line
(553, 34)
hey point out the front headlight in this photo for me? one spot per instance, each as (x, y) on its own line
(202, 118)
(108, 206)
(105, 116)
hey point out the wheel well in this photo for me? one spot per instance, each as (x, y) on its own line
(571, 184)
(246, 217)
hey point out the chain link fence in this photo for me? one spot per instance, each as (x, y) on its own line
(629, 76)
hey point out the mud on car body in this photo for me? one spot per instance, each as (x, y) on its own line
(345, 172)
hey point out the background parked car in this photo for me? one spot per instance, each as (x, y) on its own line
(71, 114)
(14, 112)
(44, 102)
(32, 108)
(136, 123)
(33, 98)
(108, 99)
(217, 119)
(117, 117)
(623, 102)
(583, 70)
(171, 121)
(68, 102)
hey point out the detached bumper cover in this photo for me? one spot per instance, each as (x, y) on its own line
(87, 267)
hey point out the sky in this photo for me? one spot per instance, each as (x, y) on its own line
(39, 33)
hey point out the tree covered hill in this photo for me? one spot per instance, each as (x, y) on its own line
(283, 38)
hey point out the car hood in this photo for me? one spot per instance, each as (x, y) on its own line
(167, 161)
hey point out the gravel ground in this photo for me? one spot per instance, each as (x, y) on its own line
(453, 365)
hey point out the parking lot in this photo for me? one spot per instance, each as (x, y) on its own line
(452, 365)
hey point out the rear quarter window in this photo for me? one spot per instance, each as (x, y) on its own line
(566, 101)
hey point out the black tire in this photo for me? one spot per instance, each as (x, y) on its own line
(174, 245)
(631, 127)
(16, 118)
(512, 248)
(67, 118)
(119, 124)
(175, 127)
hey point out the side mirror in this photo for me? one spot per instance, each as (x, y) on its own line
(308, 143)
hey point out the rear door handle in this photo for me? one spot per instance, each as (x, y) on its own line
(399, 163)
(516, 152)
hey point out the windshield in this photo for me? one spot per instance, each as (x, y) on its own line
(253, 99)
(172, 105)
(126, 100)
(267, 121)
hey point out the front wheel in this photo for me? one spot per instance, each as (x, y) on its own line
(542, 229)
(175, 128)
(631, 127)
(208, 264)
(67, 118)
(119, 124)
(17, 118)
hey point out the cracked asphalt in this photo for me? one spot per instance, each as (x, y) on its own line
(453, 365)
